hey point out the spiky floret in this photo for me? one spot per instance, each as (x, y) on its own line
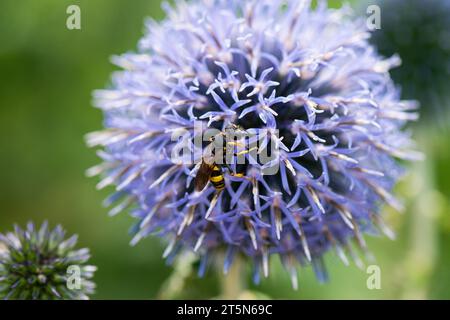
(308, 74)
(41, 264)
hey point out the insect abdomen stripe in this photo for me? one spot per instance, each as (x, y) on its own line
(216, 172)
(219, 185)
(217, 179)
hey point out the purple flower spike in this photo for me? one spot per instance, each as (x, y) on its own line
(309, 78)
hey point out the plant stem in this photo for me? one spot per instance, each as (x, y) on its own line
(232, 284)
(422, 254)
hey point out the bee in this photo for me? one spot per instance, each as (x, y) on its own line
(210, 171)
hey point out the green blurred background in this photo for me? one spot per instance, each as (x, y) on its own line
(47, 75)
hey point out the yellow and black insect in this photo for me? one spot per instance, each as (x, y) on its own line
(210, 171)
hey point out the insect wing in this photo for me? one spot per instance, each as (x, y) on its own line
(202, 177)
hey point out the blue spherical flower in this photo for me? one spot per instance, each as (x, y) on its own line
(306, 77)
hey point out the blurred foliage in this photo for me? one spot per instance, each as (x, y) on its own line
(48, 74)
(419, 31)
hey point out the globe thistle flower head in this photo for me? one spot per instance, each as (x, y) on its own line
(37, 263)
(302, 83)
